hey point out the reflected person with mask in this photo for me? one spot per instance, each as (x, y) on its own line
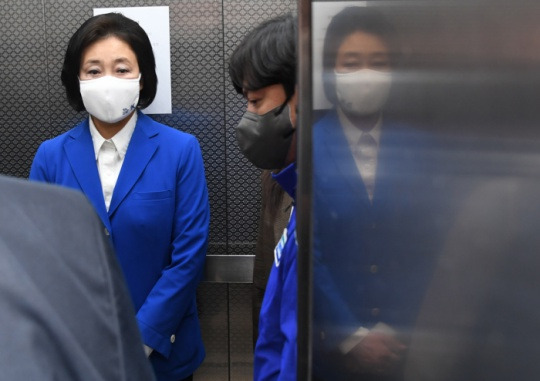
(371, 259)
(263, 70)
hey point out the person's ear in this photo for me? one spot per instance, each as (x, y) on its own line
(293, 107)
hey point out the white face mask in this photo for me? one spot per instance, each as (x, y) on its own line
(110, 99)
(363, 92)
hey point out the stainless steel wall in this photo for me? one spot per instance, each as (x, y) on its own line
(34, 36)
(440, 267)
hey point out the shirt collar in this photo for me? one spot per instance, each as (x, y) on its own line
(353, 133)
(286, 178)
(120, 140)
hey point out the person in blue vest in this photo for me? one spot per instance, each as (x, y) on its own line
(145, 180)
(263, 70)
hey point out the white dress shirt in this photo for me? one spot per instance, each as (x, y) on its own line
(110, 154)
(366, 168)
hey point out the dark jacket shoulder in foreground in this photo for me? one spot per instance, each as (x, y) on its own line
(65, 311)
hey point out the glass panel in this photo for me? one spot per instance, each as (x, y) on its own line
(426, 180)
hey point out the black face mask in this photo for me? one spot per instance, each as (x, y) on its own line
(265, 139)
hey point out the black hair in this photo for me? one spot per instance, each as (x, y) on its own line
(346, 22)
(100, 27)
(266, 56)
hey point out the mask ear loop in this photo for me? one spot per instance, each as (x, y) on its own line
(282, 107)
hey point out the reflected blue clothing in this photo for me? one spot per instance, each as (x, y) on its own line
(372, 259)
(275, 351)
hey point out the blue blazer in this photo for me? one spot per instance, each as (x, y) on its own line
(158, 222)
(372, 259)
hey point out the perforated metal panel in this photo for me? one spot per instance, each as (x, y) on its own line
(23, 84)
(203, 35)
(240, 332)
(213, 305)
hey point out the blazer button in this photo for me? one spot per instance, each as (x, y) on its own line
(375, 312)
(173, 338)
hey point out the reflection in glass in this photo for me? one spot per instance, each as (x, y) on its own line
(426, 174)
(369, 205)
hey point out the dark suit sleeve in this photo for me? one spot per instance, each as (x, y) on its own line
(65, 310)
(113, 299)
(134, 362)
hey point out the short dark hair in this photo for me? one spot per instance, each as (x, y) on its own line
(346, 22)
(266, 56)
(97, 28)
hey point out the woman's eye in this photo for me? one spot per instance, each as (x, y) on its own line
(93, 72)
(122, 70)
(351, 65)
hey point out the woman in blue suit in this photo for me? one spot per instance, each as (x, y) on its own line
(375, 223)
(145, 180)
